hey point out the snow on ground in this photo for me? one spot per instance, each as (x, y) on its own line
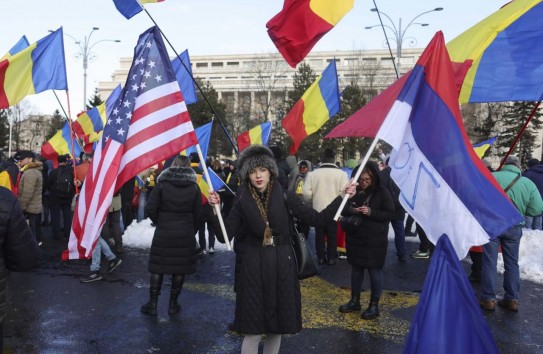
(140, 235)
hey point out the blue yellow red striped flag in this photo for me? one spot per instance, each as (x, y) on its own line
(318, 104)
(40, 66)
(259, 135)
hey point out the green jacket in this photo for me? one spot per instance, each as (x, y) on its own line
(523, 193)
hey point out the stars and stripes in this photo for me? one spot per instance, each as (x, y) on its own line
(149, 123)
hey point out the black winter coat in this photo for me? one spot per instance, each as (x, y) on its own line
(268, 298)
(18, 248)
(367, 246)
(175, 206)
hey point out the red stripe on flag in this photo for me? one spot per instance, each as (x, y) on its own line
(294, 125)
(4, 103)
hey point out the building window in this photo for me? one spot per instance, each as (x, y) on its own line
(217, 64)
(351, 61)
(201, 65)
(316, 63)
(331, 60)
(215, 78)
(232, 64)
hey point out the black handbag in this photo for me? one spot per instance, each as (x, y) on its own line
(351, 223)
(302, 252)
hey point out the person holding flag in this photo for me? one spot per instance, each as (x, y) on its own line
(268, 298)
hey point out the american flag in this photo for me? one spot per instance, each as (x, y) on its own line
(149, 123)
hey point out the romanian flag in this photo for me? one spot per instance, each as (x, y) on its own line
(506, 53)
(89, 124)
(183, 72)
(301, 23)
(480, 148)
(39, 67)
(129, 8)
(20, 45)
(60, 144)
(259, 135)
(318, 104)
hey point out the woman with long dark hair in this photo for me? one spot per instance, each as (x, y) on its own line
(268, 299)
(367, 244)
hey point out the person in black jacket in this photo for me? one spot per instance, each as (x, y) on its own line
(367, 245)
(175, 206)
(268, 299)
(19, 248)
(60, 203)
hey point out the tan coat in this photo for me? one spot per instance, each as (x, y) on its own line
(30, 188)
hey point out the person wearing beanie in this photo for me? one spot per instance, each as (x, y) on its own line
(527, 199)
(11, 168)
(535, 174)
(31, 191)
(268, 299)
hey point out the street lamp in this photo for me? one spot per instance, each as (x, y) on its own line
(85, 48)
(399, 33)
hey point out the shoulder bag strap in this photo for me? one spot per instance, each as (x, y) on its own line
(512, 184)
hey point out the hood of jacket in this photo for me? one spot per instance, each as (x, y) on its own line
(177, 175)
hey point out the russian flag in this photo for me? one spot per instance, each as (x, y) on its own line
(444, 185)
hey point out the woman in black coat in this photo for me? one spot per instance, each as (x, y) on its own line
(175, 206)
(268, 299)
(367, 244)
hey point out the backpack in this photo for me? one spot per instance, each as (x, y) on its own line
(65, 182)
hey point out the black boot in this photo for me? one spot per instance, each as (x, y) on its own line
(352, 305)
(372, 311)
(177, 284)
(150, 307)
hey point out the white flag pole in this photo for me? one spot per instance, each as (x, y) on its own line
(356, 176)
(217, 206)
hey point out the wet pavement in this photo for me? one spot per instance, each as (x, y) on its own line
(50, 311)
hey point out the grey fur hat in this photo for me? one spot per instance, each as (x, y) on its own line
(256, 156)
(512, 160)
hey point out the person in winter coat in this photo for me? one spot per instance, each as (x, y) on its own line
(30, 194)
(268, 299)
(61, 203)
(297, 185)
(524, 194)
(19, 250)
(175, 206)
(367, 244)
(535, 174)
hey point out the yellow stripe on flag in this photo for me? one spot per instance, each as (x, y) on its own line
(19, 75)
(315, 110)
(331, 11)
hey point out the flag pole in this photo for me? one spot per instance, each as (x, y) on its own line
(356, 176)
(216, 206)
(195, 82)
(517, 138)
(68, 117)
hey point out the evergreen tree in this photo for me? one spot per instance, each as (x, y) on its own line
(201, 113)
(95, 100)
(56, 123)
(513, 119)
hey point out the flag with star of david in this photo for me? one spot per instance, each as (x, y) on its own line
(148, 124)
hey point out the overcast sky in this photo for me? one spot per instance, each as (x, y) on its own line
(209, 27)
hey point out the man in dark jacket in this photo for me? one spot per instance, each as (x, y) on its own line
(397, 223)
(535, 174)
(20, 250)
(60, 203)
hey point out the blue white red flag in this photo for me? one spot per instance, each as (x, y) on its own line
(447, 290)
(148, 124)
(444, 185)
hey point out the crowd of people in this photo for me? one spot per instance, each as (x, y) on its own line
(263, 197)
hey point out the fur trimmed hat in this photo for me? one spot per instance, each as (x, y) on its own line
(256, 156)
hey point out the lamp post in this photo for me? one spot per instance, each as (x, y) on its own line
(85, 52)
(398, 32)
